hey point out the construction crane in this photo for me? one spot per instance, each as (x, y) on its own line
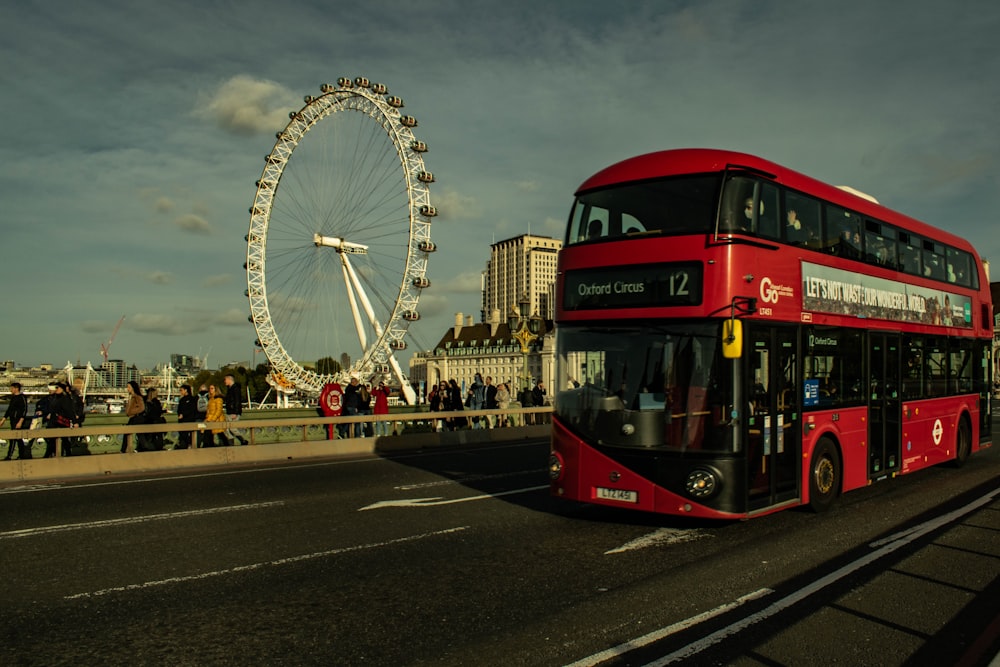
(106, 347)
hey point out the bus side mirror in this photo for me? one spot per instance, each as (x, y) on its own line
(732, 338)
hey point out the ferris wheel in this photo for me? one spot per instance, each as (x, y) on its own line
(340, 237)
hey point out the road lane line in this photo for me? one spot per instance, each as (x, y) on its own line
(45, 530)
(662, 633)
(465, 479)
(257, 566)
(427, 502)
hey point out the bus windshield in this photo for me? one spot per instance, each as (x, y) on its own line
(669, 206)
(664, 386)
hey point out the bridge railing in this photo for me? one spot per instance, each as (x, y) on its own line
(107, 438)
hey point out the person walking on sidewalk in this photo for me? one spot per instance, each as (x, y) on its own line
(234, 406)
(216, 413)
(17, 410)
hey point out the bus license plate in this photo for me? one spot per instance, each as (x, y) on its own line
(622, 495)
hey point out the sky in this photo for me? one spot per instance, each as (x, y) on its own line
(131, 134)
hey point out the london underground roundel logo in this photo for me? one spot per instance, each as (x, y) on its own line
(938, 431)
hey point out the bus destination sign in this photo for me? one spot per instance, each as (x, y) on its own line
(642, 286)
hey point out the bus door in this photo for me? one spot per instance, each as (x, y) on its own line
(774, 417)
(884, 419)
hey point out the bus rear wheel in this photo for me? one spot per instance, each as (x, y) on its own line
(824, 475)
(963, 443)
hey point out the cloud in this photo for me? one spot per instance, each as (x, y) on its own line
(247, 106)
(193, 224)
(165, 325)
(163, 205)
(453, 206)
(95, 326)
(159, 277)
(469, 282)
(217, 281)
(232, 317)
(528, 186)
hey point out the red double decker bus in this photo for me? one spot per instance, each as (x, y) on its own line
(734, 338)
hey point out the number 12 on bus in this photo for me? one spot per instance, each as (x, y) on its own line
(735, 338)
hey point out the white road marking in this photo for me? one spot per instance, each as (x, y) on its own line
(465, 479)
(657, 635)
(428, 502)
(257, 566)
(45, 530)
(658, 537)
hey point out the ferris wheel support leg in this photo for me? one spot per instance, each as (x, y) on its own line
(366, 304)
(348, 275)
(404, 384)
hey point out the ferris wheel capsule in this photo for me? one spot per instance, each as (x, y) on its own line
(421, 281)
(362, 82)
(394, 101)
(425, 177)
(327, 88)
(398, 344)
(345, 82)
(411, 315)
(379, 89)
(308, 99)
(427, 246)
(408, 121)
(418, 146)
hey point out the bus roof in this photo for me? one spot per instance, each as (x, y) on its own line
(708, 160)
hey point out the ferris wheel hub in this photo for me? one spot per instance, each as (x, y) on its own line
(339, 244)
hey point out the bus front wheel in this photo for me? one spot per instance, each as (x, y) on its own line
(824, 475)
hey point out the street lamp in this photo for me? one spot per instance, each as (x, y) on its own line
(526, 330)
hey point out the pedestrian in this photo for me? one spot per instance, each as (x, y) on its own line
(503, 402)
(76, 445)
(216, 414)
(41, 414)
(61, 413)
(491, 401)
(381, 407)
(525, 399)
(476, 399)
(365, 407)
(352, 406)
(204, 435)
(438, 399)
(234, 406)
(134, 409)
(153, 414)
(539, 397)
(187, 413)
(456, 404)
(17, 412)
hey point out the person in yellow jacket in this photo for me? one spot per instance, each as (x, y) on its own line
(134, 410)
(216, 413)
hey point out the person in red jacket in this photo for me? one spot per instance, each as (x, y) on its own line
(380, 394)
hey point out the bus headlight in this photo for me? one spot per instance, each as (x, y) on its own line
(703, 483)
(555, 466)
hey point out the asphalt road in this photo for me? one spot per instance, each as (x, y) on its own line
(460, 557)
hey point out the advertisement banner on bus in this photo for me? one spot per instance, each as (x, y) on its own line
(829, 290)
